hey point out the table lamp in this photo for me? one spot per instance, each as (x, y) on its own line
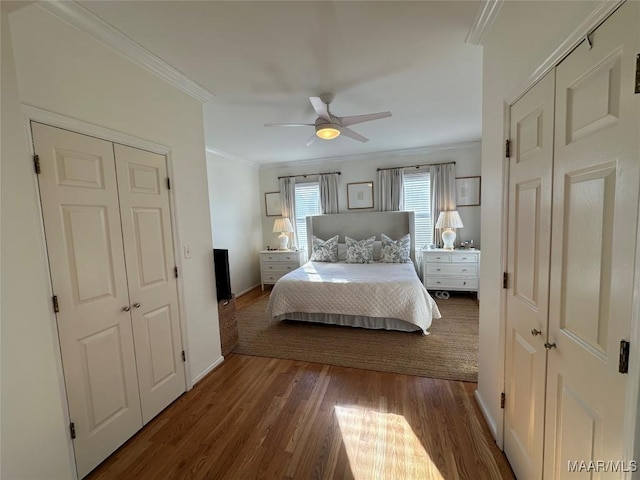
(283, 225)
(448, 220)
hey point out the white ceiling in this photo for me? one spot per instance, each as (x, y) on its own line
(264, 59)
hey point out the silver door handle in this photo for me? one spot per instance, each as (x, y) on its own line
(549, 346)
(136, 305)
(535, 332)
(125, 308)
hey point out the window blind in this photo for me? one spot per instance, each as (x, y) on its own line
(417, 198)
(307, 203)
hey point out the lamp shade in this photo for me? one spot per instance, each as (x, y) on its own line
(282, 225)
(449, 219)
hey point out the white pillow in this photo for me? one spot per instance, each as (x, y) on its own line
(396, 251)
(324, 250)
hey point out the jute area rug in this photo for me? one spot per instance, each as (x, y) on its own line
(450, 351)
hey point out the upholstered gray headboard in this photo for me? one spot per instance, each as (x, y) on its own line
(361, 225)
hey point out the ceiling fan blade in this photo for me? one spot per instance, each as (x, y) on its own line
(347, 121)
(320, 107)
(312, 139)
(347, 132)
(289, 125)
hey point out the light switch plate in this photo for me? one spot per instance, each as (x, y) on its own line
(187, 251)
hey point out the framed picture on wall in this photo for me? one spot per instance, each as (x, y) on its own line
(359, 195)
(468, 191)
(272, 204)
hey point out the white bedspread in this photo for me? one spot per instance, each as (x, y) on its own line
(388, 290)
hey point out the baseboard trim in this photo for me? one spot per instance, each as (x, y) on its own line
(208, 370)
(247, 290)
(485, 413)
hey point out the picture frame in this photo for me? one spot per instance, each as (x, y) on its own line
(273, 205)
(468, 191)
(359, 195)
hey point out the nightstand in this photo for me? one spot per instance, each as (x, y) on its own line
(274, 264)
(456, 270)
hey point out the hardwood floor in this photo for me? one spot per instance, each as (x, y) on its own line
(264, 418)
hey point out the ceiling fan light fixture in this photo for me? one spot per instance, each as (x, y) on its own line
(327, 132)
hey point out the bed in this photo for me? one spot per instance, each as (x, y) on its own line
(378, 295)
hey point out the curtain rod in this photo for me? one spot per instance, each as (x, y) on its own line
(305, 175)
(418, 166)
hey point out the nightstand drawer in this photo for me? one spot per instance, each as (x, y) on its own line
(444, 283)
(452, 269)
(464, 257)
(280, 257)
(272, 277)
(278, 267)
(437, 257)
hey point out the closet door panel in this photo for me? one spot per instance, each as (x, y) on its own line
(529, 235)
(595, 210)
(146, 225)
(84, 242)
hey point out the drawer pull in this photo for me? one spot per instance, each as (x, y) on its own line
(464, 258)
(464, 283)
(438, 270)
(438, 283)
(438, 258)
(464, 269)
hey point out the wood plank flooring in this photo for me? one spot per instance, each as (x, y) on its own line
(263, 418)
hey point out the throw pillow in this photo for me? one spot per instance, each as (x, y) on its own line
(324, 250)
(360, 251)
(396, 251)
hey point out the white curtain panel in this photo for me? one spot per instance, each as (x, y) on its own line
(443, 193)
(391, 189)
(328, 193)
(288, 201)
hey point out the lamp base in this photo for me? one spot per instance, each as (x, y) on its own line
(283, 241)
(448, 237)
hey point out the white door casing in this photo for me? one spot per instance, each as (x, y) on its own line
(596, 178)
(529, 236)
(146, 227)
(81, 214)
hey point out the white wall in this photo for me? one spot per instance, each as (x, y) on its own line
(523, 36)
(62, 70)
(467, 160)
(34, 440)
(234, 197)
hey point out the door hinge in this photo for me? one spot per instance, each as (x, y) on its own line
(175, 271)
(503, 399)
(36, 162)
(72, 429)
(56, 306)
(168, 183)
(638, 73)
(184, 357)
(507, 148)
(505, 280)
(623, 365)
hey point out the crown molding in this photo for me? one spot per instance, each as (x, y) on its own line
(372, 155)
(487, 13)
(232, 157)
(598, 15)
(86, 21)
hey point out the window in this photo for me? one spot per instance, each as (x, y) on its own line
(417, 198)
(307, 203)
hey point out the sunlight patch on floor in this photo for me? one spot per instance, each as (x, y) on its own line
(383, 445)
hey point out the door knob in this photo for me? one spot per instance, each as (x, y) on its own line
(535, 332)
(125, 308)
(136, 305)
(549, 346)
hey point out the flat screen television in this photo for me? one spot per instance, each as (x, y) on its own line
(223, 280)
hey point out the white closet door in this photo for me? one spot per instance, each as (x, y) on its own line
(595, 209)
(530, 182)
(148, 245)
(82, 226)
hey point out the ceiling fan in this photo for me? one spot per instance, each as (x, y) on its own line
(327, 125)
